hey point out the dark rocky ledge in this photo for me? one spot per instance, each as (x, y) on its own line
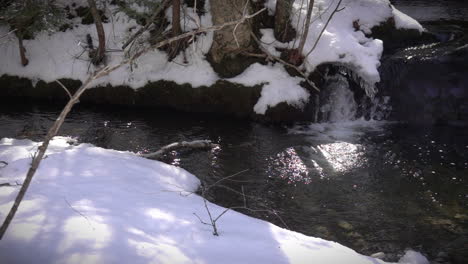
(223, 97)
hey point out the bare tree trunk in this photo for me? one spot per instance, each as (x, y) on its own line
(22, 50)
(230, 41)
(282, 20)
(176, 30)
(99, 55)
(306, 27)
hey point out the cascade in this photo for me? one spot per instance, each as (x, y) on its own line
(338, 102)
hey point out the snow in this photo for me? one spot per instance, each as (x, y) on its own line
(413, 257)
(340, 43)
(91, 205)
(55, 56)
(60, 55)
(279, 87)
(402, 20)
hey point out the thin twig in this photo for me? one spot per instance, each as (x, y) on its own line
(148, 24)
(244, 12)
(201, 221)
(65, 88)
(5, 35)
(78, 212)
(225, 178)
(324, 27)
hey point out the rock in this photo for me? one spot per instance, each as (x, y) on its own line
(442, 255)
(225, 45)
(394, 38)
(378, 255)
(222, 98)
(345, 225)
(458, 250)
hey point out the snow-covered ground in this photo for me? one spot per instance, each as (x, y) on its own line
(57, 55)
(91, 205)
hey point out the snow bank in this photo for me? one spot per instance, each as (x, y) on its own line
(278, 86)
(91, 205)
(61, 55)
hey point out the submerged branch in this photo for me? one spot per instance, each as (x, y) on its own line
(196, 144)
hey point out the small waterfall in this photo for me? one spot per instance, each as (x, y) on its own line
(338, 104)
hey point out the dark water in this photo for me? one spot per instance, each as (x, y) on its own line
(430, 10)
(369, 185)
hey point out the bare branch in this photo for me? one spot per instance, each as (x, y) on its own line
(196, 144)
(271, 56)
(225, 178)
(78, 212)
(244, 12)
(201, 221)
(337, 9)
(213, 223)
(6, 34)
(65, 88)
(148, 24)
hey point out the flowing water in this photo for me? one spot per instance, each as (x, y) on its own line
(430, 10)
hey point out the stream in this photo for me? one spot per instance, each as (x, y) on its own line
(374, 186)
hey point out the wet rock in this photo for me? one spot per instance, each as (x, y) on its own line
(345, 225)
(428, 83)
(378, 255)
(457, 250)
(394, 38)
(223, 98)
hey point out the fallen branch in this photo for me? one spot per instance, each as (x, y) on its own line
(9, 184)
(196, 144)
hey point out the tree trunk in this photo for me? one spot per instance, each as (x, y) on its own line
(224, 42)
(296, 57)
(176, 30)
(306, 28)
(22, 50)
(99, 55)
(283, 28)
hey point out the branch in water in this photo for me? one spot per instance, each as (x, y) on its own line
(196, 144)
